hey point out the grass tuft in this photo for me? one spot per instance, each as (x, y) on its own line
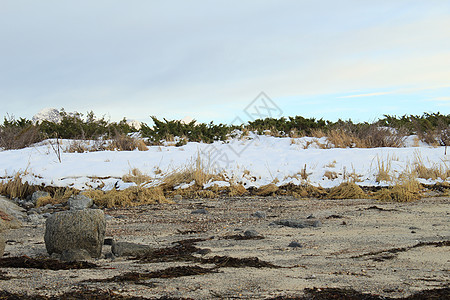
(384, 170)
(347, 190)
(406, 191)
(132, 196)
(267, 190)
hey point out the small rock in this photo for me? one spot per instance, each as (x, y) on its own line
(259, 214)
(298, 223)
(28, 205)
(32, 211)
(177, 198)
(203, 251)
(110, 255)
(58, 205)
(251, 233)
(46, 215)
(295, 244)
(36, 219)
(38, 194)
(201, 211)
(48, 206)
(108, 217)
(80, 202)
(75, 255)
(129, 249)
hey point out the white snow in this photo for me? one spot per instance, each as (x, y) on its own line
(251, 162)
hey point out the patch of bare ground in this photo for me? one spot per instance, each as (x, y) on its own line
(363, 249)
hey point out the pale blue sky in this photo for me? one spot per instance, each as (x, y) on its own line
(209, 59)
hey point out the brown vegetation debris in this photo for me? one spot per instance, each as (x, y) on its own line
(43, 263)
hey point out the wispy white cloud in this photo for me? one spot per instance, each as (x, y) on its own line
(440, 99)
(367, 95)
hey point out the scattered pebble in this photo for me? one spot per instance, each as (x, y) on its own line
(201, 211)
(251, 233)
(259, 214)
(295, 244)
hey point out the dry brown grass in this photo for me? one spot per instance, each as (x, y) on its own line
(384, 170)
(304, 175)
(78, 147)
(136, 176)
(404, 191)
(306, 191)
(340, 138)
(347, 190)
(434, 172)
(132, 196)
(15, 188)
(196, 171)
(127, 143)
(58, 195)
(331, 164)
(267, 190)
(237, 190)
(331, 175)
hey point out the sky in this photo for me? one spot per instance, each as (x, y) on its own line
(218, 60)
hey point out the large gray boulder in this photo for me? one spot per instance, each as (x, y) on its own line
(75, 229)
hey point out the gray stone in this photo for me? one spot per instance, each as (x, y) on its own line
(38, 194)
(110, 256)
(36, 219)
(47, 206)
(75, 255)
(28, 205)
(32, 211)
(298, 223)
(295, 244)
(259, 214)
(200, 211)
(80, 202)
(129, 249)
(251, 233)
(75, 229)
(46, 215)
(9, 207)
(177, 198)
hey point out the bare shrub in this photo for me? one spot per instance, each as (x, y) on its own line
(126, 143)
(14, 137)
